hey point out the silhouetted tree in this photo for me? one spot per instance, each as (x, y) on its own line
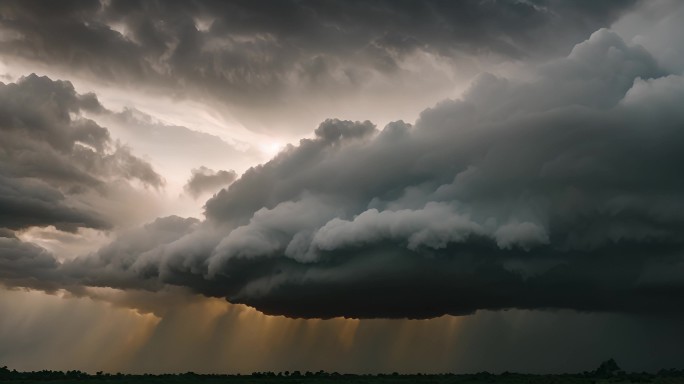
(607, 368)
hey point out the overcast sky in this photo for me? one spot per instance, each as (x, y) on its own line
(357, 186)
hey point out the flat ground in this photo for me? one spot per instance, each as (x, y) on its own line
(341, 379)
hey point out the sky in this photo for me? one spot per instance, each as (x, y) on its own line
(352, 186)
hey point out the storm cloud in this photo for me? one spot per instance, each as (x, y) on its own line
(259, 55)
(559, 191)
(55, 165)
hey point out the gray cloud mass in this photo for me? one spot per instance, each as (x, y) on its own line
(53, 161)
(560, 191)
(258, 52)
(205, 180)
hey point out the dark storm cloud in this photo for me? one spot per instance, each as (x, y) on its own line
(17, 257)
(563, 191)
(205, 180)
(52, 160)
(250, 52)
(29, 202)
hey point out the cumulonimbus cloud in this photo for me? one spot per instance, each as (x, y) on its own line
(563, 191)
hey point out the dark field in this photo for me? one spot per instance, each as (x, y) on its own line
(606, 373)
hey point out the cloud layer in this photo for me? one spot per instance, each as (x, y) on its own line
(275, 60)
(244, 47)
(560, 191)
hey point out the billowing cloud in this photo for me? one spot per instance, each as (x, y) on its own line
(61, 171)
(559, 191)
(205, 180)
(55, 165)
